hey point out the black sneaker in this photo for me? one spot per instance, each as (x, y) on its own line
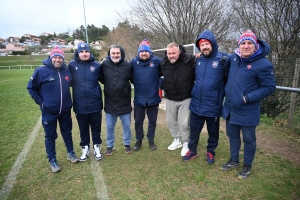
(152, 146)
(137, 145)
(128, 149)
(109, 150)
(230, 165)
(245, 171)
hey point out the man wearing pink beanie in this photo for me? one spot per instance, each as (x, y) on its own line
(251, 78)
(49, 86)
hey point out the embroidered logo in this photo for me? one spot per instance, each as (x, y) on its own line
(76, 68)
(51, 79)
(199, 63)
(151, 64)
(92, 69)
(215, 64)
(249, 66)
(45, 122)
(137, 62)
(67, 78)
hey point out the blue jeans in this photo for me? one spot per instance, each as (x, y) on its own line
(110, 128)
(249, 139)
(49, 122)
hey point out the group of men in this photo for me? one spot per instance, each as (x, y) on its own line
(194, 88)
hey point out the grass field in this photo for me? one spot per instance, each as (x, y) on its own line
(160, 174)
(26, 59)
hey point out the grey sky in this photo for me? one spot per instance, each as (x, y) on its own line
(36, 16)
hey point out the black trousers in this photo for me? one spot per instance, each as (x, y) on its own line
(139, 117)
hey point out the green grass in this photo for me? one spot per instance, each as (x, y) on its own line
(160, 174)
(26, 59)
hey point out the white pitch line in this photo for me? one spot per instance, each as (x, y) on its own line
(5, 80)
(11, 178)
(98, 180)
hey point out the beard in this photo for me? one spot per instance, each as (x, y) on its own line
(172, 61)
(115, 60)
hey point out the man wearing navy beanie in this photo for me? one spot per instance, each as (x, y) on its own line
(146, 98)
(87, 98)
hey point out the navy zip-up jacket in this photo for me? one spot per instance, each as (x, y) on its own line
(252, 78)
(208, 91)
(50, 88)
(146, 80)
(86, 90)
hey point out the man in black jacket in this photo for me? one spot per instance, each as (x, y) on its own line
(177, 67)
(115, 74)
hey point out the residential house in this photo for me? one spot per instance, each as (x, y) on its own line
(46, 34)
(56, 41)
(97, 45)
(13, 40)
(2, 41)
(31, 40)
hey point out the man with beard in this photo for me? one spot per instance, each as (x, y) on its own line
(49, 86)
(207, 95)
(116, 74)
(177, 67)
(146, 98)
(87, 97)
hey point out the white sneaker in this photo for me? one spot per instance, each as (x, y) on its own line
(97, 152)
(85, 153)
(175, 144)
(184, 149)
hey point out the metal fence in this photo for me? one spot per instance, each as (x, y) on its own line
(19, 67)
(284, 104)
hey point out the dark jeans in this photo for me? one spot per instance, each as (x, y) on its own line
(196, 126)
(49, 122)
(85, 121)
(139, 116)
(249, 138)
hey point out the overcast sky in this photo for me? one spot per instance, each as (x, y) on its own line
(19, 17)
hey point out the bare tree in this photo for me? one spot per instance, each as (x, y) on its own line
(179, 20)
(125, 35)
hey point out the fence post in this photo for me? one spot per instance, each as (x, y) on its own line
(294, 94)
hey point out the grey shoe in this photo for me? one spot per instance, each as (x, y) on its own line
(230, 165)
(152, 146)
(72, 157)
(245, 172)
(137, 145)
(128, 149)
(54, 166)
(109, 151)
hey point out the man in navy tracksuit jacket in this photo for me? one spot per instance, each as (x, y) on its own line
(251, 78)
(87, 98)
(207, 95)
(49, 86)
(146, 98)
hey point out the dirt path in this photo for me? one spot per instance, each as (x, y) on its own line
(266, 142)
